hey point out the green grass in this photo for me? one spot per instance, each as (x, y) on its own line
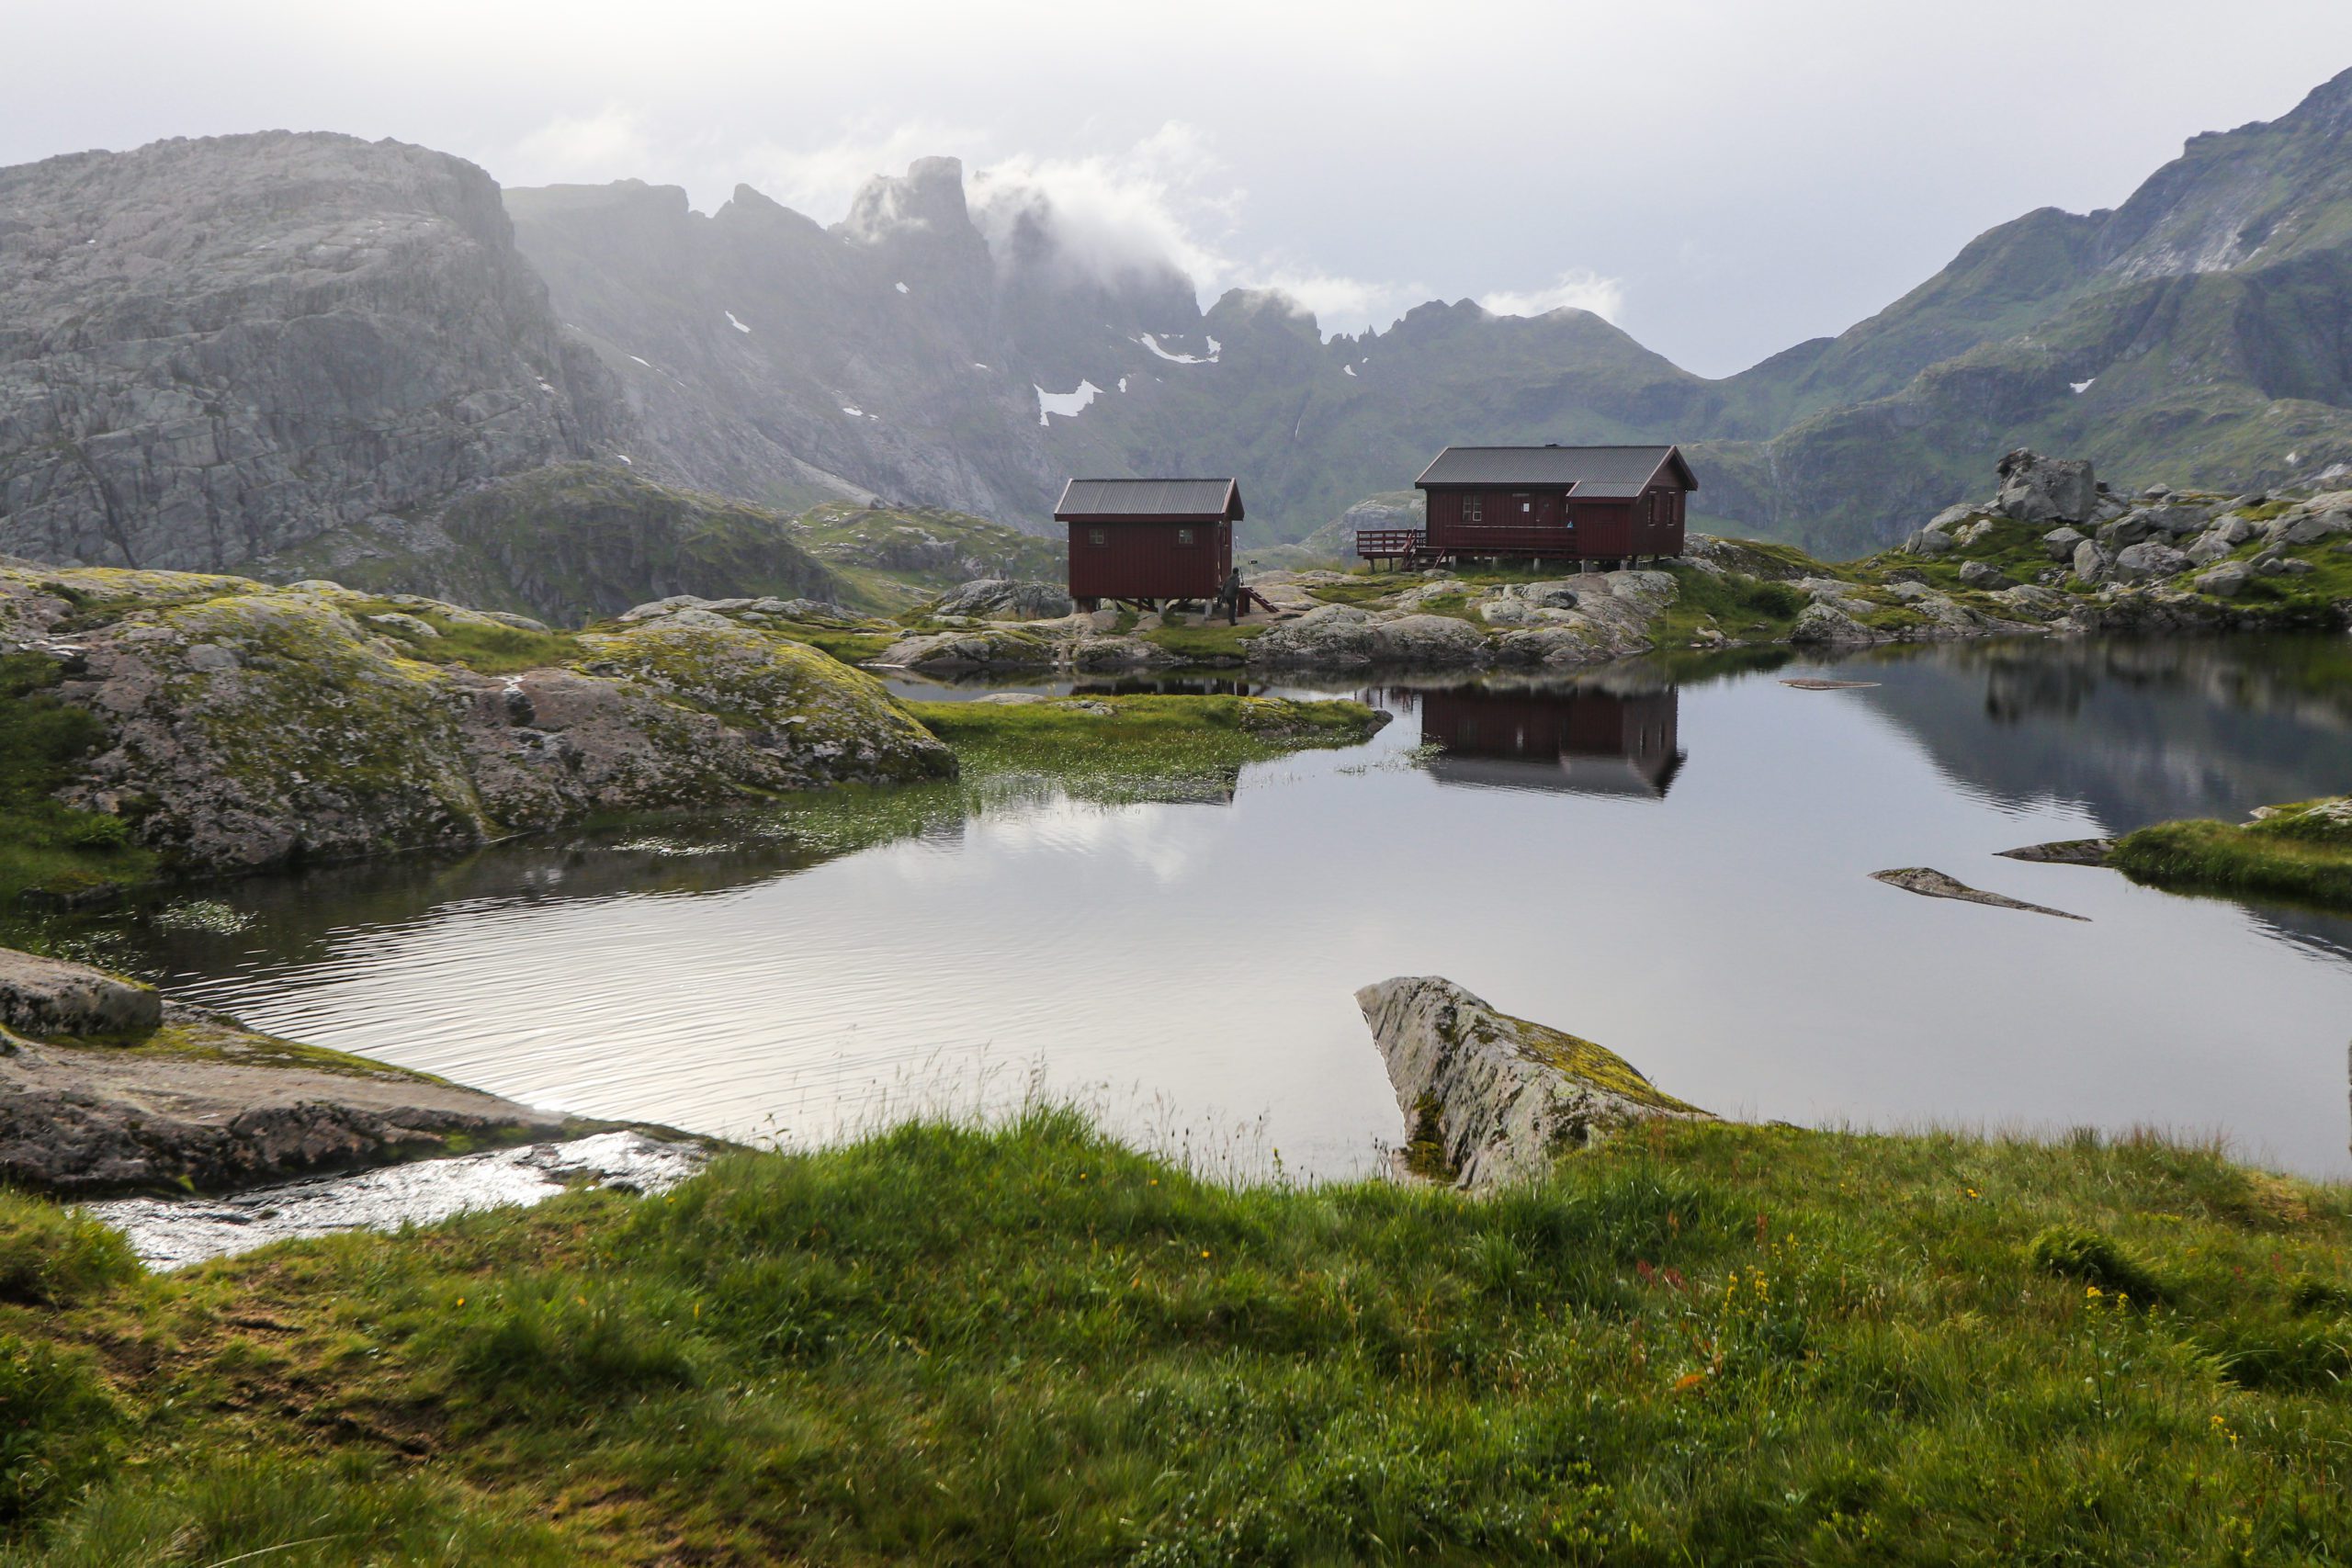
(1750, 608)
(490, 649)
(1212, 642)
(943, 1344)
(1136, 748)
(46, 846)
(2302, 853)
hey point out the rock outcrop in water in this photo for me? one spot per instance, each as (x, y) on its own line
(247, 725)
(183, 1097)
(1489, 1097)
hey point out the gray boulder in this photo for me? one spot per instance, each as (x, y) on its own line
(2224, 581)
(1005, 598)
(2035, 488)
(2208, 548)
(2061, 542)
(2311, 528)
(1930, 542)
(1981, 574)
(2178, 520)
(45, 997)
(2128, 529)
(2091, 563)
(1490, 1098)
(2146, 561)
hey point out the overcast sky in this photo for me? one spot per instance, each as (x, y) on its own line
(1722, 178)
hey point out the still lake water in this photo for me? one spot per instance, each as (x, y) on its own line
(1674, 865)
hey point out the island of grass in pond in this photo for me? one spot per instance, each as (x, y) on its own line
(1699, 1343)
(2301, 852)
(1107, 748)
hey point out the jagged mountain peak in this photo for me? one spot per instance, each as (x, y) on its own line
(929, 197)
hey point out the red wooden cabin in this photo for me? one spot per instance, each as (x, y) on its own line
(1612, 504)
(1150, 542)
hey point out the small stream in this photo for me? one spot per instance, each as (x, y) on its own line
(1671, 860)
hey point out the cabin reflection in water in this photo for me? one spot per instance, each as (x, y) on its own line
(1583, 740)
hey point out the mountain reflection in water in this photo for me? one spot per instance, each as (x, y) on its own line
(804, 968)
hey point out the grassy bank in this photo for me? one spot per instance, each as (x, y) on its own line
(1711, 1344)
(1111, 748)
(2301, 852)
(46, 847)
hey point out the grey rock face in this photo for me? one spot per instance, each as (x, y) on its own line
(2224, 581)
(80, 1121)
(2035, 488)
(324, 738)
(1930, 542)
(1499, 1097)
(1004, 597)
(213, 350)
(2148, 560)
(1981, 574)
(2091, 563)
(44, 996)
(2061, 542)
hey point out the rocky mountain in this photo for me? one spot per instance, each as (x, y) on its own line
(2194, 335)
(277, 353)
(213, 350)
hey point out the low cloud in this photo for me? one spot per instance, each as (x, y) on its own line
(1574, 290)
(1164, 202)
(606, 145)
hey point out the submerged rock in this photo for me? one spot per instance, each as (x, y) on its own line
(2063, 852)
(1929, 883)
(1489, 1097)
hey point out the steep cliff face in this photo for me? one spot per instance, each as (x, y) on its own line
(211, 350)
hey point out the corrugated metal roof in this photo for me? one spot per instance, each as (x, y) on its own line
(1594, 470)
(1149, 498)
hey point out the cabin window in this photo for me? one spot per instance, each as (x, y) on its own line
(1473, 509)
(1183, 536)
(1097, 537)
(1525, 505)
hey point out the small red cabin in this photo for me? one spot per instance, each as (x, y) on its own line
(1151, 542)
(1568, 503)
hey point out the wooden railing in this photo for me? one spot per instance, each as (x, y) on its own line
(1381, 544)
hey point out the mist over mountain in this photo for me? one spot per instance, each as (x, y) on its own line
(233, 352)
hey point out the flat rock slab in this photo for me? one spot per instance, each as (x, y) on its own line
(1493, 1098)
(1808, 683)
(2063, 852)
(215, 1108)
(46, 995)
(1931, 884)
(172, 1233)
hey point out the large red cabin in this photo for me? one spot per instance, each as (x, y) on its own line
(1568, 503)
(1150, 542)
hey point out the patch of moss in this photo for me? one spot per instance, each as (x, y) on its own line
(1138, 747)
(1596, 1065)
(1212, 643)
